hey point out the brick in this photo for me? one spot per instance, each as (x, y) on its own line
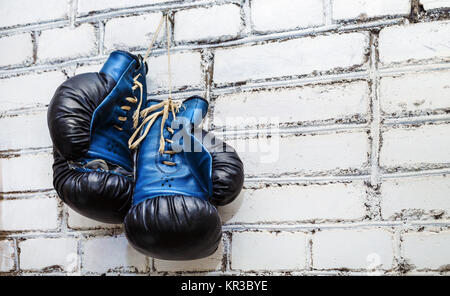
(39, 91)
(28, 214)
(67, 43)
(280, 15)
(88, 69)
(39, 253)
(19, 12)
(427, 250)
(131, 32)
(414, 42)
(415, 146)
(297, 203)
(24, 131)
(88, 6)
(110, 254)
(402, 94)
(434, 4)
(27, 172)
(7, 256)
(352, 249)
(306, 154)
(307, 103)
(77, 221)
(361, 9)
(16, 49)
(210, 263)
(220, 22)
(418, 195)
(293, 57)
(185, 71)
(268, 251)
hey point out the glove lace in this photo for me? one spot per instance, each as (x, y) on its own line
(161, 109)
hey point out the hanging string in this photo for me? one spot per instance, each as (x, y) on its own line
(150, 47)
(168, 56)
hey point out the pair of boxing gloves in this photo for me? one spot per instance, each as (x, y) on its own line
(120, 157)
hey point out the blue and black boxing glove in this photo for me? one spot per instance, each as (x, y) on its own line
(91, 117)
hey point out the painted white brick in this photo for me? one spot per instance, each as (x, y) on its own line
(422, 145)
(40, 253)
(402, 94)
(6, 256)
(293, 57)
(293, 105)
(303, 154)
(417, 193)
(77, 221)
(352, 249)
(19, 12)
(427, 250)
(88, 69)
(16, 49)
(215, 23)
(39, 90)
(414, 42)
(87, 6)
(268, 251)
(109, 254)
(185, 71)
(210, 263)
(27, 172)
(268, 15)
(67, 42)
(297, 203)
(352, 9)
(131, 32)
(28, 214)
(433, 4)
(32, 129)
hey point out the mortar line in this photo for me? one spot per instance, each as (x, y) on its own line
(343, 225)
(375, 124)
(327, 12)
(299, 226)
(248, 40)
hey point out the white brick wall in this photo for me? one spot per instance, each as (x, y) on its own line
(352, 9)
(297, 203)
(293, 105)
(352, 249)
(40, 253)
(211, 263)
(433, 4)
(67, 42)
(28, 214)
(16, 49)
(415, 146)
(427, 250)
(398, 94)
(294, 57)
(419, 195)
(123, 33)
(7, 257)
(354, 181)
(270, 15)
(307, 154)
(39, 91)
(218, 22)
(414, 42)
(20, 12)
(109, 254)
(268, 251)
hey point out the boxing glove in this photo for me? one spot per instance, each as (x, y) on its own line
(91, 117)
(177, 178)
